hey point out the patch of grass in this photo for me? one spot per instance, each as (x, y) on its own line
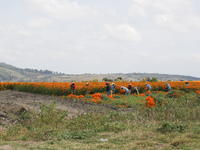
(174, 125)
(167, 127)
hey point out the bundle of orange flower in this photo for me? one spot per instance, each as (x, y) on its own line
(96, 98)
(149, 92)
(122, 91)
(80, 96)
(97, 95)
(141, 95)
(110, 96)
(75, 96)
(150, 102)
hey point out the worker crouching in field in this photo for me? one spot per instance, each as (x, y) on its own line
(136, 90)
(125, 89)
(168, 87)
(72, 86)
(129, 88)
(108, 89)
(113, 88)
(148, 87)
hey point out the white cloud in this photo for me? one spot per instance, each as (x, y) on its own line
(195, 57)
(123, 32)
(38, 22)
(137, 10)
(60, 9)
(113, 12)
(178, 15)
(13, 30)
(59, 55)
(170, 21)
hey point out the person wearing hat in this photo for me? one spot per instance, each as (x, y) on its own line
(129, 88)
(125, 89)
(113, 88)
(108, 89)
(148, 87)
(168, 87)
(186, 83)
(87, 88)
(72, 86)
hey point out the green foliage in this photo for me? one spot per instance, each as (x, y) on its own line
(118, 79)
(167, 127)
(148, 79)
(175, 93)
(94, 80)
(50, 115)
(107, 80)
(154, 79)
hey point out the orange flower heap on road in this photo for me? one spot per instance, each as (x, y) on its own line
(150, 102)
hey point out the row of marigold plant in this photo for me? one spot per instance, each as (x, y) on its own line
(63, 88)
(95, 90)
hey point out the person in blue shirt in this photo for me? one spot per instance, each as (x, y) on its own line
(168, 87)
(125, 89)
(136, 90)
(113, 88)
(148, 87)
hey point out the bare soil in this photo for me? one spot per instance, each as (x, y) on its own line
(11, 102)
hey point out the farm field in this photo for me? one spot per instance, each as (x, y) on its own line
(47, 116)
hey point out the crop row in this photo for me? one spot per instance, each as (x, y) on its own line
(63, 88)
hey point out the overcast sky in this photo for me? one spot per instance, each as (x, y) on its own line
(102, 36)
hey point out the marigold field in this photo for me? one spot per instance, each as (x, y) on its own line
(153, 119)
(94, 90)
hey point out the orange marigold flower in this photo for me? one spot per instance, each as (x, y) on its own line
(198, 92)
(110, 96)
(150, 102)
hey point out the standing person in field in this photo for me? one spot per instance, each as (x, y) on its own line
(87, 85)
(148, 87)
(113, 88)
(129, 88)
(168, 87)
(136, 90)
(72, 86)
(186, 83)
(108, 89)
(125, 89)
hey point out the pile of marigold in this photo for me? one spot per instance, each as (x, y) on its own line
(96, 98)
(150, 102)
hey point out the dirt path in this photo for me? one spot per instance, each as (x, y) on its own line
(12, 101)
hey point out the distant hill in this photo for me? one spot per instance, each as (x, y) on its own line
(9, 73)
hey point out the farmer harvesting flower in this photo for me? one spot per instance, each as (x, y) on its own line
(136, 90)
(186, 83)
(108, 89)
(72, 86)
(148, 87)
(113, 88)
(168, 87)
(129, 88)
(125, 89)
